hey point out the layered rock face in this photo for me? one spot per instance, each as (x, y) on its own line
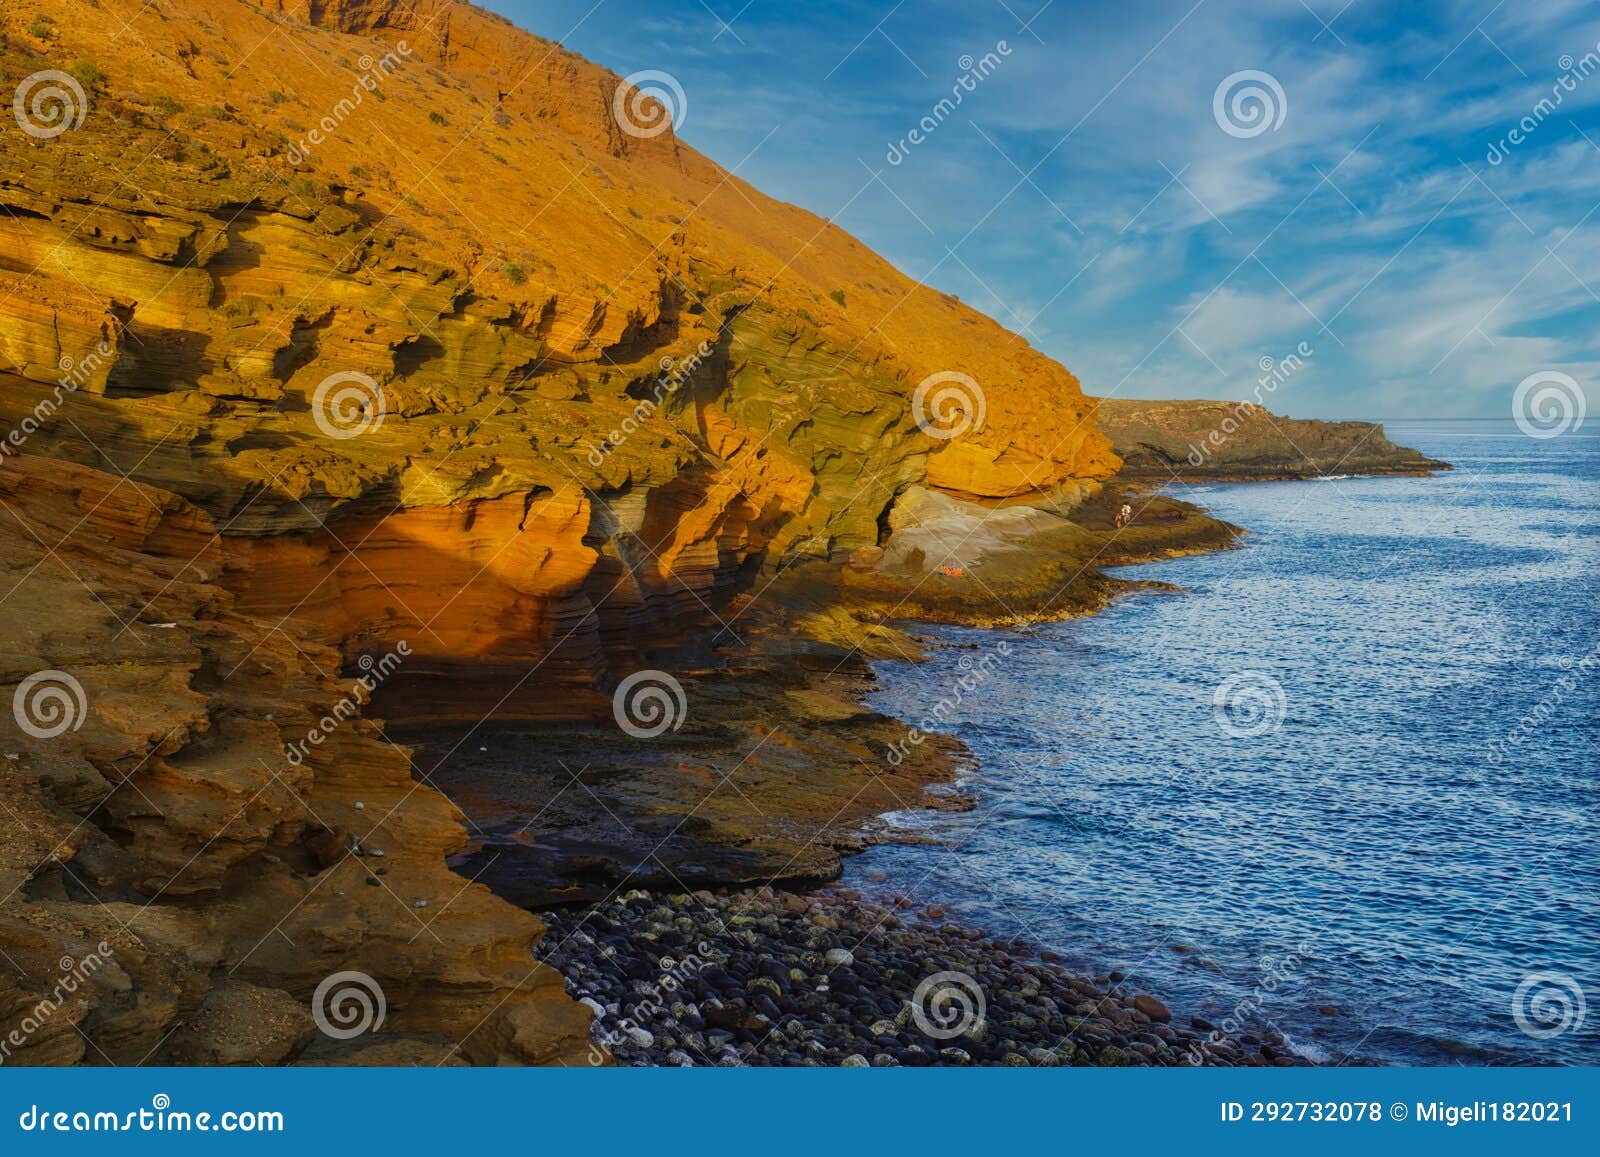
(200, 827)
(331, 331)
(1241, 441)
(479, 330)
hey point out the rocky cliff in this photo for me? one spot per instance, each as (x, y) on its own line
(483, 277)
(332, 332)
(199, 827)
(1243, 442)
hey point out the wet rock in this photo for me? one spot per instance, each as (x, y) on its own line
(1151, 1007)
(773, 985)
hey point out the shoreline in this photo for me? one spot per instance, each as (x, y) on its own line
(834, 977)
(736, 932)
(803, 673)
(764, 966)
(774, 975)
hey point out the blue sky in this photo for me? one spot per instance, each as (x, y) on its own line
(1086, 193)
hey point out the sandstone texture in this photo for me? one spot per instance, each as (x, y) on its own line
(153, 822)
(478, 370)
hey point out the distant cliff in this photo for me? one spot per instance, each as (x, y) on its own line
(1227, 441)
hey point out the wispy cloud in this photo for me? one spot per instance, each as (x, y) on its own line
(1090, 194)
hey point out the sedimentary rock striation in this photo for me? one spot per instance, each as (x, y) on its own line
(331, 331)
(199, 827)
(510, 269)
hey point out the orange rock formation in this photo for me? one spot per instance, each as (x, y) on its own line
(342, 323)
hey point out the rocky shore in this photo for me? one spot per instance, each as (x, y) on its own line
(765, 977)
(778, 766)
(1210, 441)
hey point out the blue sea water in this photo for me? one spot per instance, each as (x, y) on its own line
(1344, 788)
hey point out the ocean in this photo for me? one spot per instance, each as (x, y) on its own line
(1344, 788)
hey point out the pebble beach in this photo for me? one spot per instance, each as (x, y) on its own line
(764, 977)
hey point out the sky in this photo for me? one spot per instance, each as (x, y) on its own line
(1098, 189)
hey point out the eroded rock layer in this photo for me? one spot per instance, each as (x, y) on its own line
(331, 331)
(200, 827)
(475, 329)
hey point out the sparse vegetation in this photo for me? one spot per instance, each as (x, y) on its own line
(838, 297)
(436, 117)
(514, 273)
(88, 74)
(42, 28)
(277, 96)
(166, 106)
